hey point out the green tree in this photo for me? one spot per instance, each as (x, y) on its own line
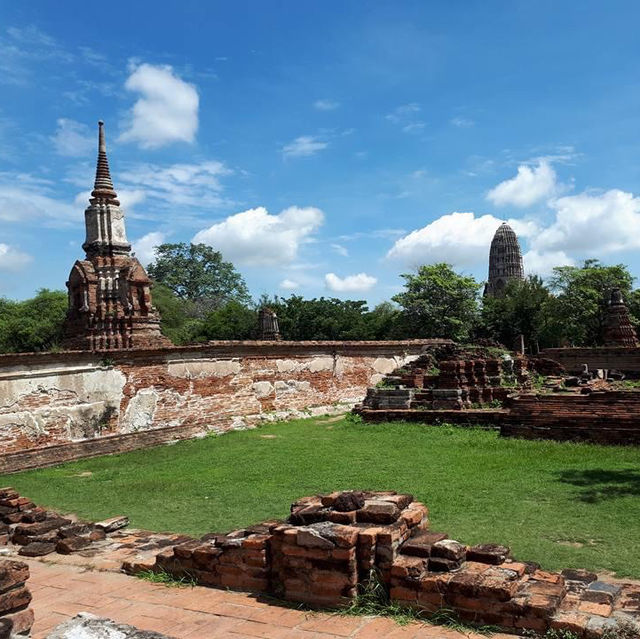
(526, 307)
(582, 294)
(438, 302)
(34, 324)
(319, 318)
(178, 318)
(197, 273)
(384, 322)
(232, 321)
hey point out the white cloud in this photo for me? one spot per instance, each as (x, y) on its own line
(530, 185)
(592, 224)
(73, 138)
(255, 237)
(413, 127)
(289, 285)
(11, 259)
(406, 117)
(543, 263)
(350, 284)
(340, 250)
(303, 146)
(24, 198)
(462, 123)
(165, 112)
(457, 238)
(25, 50)
(178, 185)
(326, 105)
(144, 246)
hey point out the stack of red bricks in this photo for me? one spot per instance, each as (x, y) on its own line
(462, 383)
(41, 532)
(237, 560)
(332, 544)
(483, 585)
(326, 547)
(16, 618)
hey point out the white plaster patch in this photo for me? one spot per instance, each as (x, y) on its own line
(375, 379)
(140, 411)
(385, 365)
(92, 385)
(318, 364)
(199, 369)
(238, 423)
(340, 366)
(262, 389)
(291, 386)
(286, 365)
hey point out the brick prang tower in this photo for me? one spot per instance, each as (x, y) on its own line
(505, 261)
(109, 292)
(618, 329)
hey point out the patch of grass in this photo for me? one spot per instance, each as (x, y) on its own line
(162, 577)
(372, 599)
(628, 384)
(529, 495)
(383, 384)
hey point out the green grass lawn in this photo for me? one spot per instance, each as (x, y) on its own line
(563, 505)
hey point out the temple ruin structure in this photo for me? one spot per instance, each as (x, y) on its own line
(505, 261)
(618, 329)
(109, 291)
(268, 328)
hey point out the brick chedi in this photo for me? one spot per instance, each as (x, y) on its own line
(268, 325)
(505, 261)
(109, 292)
(618, 329)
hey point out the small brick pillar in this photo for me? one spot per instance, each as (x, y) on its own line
(16, 618)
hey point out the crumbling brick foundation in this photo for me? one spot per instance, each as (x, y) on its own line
(332, 545)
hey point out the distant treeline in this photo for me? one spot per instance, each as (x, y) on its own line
(201, 297)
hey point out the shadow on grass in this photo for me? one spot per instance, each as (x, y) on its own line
(598, 484)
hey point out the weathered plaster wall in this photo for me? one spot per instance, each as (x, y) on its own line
(52, 399)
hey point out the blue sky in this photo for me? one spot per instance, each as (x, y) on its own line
(323, 147)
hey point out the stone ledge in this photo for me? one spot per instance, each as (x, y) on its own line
(227, 348)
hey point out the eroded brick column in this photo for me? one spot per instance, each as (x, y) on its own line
(16, 618)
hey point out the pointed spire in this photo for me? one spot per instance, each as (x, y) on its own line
(505, 260)
(103, 186)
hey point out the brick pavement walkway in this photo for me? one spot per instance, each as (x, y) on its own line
(61, 591)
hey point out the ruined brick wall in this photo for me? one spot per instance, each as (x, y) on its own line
(611, 417)
(52, 399)
(334, 546)
(622, 358)
(603, 417)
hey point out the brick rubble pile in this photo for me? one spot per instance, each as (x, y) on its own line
(331, 545)
(41, 532)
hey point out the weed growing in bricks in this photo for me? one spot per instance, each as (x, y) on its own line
(623, 630)
(551, 634)
(373, 599)
(162, 577)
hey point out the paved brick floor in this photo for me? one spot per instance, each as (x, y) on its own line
(61, 591)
